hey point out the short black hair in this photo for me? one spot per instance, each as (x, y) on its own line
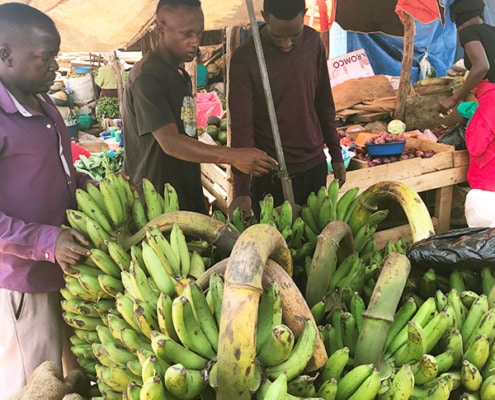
(19, 18)
(284, 9)
(176, 3)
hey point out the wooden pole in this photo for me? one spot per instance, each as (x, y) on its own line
(405, 73)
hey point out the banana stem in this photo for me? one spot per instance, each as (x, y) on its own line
(381, 309)
(415, 209)
(335, 238)
(295, 310)
(242, 290)
(192, 223)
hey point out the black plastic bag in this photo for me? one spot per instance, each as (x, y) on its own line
(455, 137)
(471, 248)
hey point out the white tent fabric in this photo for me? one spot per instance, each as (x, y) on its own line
(107, 25)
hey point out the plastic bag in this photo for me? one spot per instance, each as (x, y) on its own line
(207, 104)
(471, 248)
(455, 137)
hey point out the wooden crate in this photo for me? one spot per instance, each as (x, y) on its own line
(216, 182)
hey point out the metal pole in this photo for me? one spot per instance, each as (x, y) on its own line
(283, 174)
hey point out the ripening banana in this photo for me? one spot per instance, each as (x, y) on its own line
(197, 266)
(164, 316)
(478, 351)
(171, 198)
(415, 345)
(156, 266)
(183, 382)
(138, 212)
(92, 210)
(104, 262)
(146, 317)
(202, 312)
(402, 385)
(113, 203)
(119, 255)
(300, 356)
(487, 389)
(188, 328)
(141, 284)
(425, 370)
(125, 307)
(152, 199)
(368, 390)
(473, 318)
(277, 390)
(133, 340)
(117, 377)
(352, 380)
(153, 388)
(277, 347)
(110, 285)
(335, 365)
(269, 314)
(470, 376)
(173, 352)
(179, 244)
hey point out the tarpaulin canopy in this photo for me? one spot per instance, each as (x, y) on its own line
(107, 25)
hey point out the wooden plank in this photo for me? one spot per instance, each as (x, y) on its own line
(217, 192)
(215, 174)
(402, 231)
(443, 207)
(461, 157)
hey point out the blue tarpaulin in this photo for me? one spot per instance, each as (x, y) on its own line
(436, 41)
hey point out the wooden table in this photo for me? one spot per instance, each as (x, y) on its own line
(439, 173)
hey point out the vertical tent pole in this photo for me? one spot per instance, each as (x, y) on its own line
(405, 72)
(283, 174)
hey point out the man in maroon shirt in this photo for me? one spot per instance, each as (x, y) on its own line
(37, 184)
(297, 69)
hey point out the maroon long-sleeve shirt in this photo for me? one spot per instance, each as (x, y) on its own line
(303, 102)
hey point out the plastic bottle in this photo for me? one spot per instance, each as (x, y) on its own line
(188, 115)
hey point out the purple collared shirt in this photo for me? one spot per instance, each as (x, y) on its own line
(38, 183)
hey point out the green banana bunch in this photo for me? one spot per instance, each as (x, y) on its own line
(179, 245)
(415, 346)
(478, 351)
(152, 199)
(156, 265)
(153, 388)
(146, 317)
(402, 385)
(347, 203)
(92, 210)
(277, 390)
(116, 376)
(425, 370)
(138, 213)
(188, 328)
(113, 203)
(269, 314)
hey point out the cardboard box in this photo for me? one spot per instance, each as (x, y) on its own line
(349, 66)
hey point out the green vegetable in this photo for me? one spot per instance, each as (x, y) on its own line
(107, 107)
(98, 165)
(396, 127)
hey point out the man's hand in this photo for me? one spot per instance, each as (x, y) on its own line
(244, 203)
(71, 247)
(339, 172)
(447, 104)
(253, 161)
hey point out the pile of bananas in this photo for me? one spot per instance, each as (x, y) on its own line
(146, 306)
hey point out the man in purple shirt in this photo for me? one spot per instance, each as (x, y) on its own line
(297, 68)
(38, 183)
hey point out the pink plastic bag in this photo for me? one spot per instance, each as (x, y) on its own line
(207, 104)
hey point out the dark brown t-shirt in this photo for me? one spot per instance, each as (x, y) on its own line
(154, 97)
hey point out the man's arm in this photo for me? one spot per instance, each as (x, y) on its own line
(325, 109)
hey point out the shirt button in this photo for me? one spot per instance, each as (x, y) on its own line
(47, 255)
(48, 126)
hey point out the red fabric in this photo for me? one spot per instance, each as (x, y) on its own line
(424, 11)
(480, 139)
(324, 14)
(78, 150)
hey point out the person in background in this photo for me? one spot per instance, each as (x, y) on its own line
(106, 80)
(201, 73)
(159, 115)
(38, 184)
(478, 41)
(300, 84)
